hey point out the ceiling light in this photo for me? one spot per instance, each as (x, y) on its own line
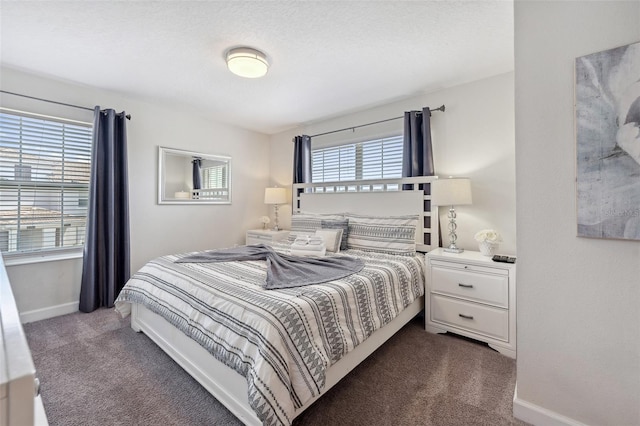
(247, 62)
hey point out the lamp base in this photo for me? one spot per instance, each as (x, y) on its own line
(276, 227)
(453, 250)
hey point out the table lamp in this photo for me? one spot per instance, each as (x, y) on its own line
(275, 196)
(451, 192)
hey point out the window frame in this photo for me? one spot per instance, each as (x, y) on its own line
(58, 190)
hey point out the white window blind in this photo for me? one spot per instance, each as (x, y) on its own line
(374, 159)
(45, 165)
(333, 164)
(214, 177)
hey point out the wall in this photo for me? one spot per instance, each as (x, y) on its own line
(474, 138)
(578, 298)
(155, 229)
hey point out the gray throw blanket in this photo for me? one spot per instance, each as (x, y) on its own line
(284, 271)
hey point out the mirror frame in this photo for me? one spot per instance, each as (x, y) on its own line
(162, 151)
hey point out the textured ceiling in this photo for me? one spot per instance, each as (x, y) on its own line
(327, 57)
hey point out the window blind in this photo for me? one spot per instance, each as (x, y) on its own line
(214, 177)
(373, 159)
(45, 166)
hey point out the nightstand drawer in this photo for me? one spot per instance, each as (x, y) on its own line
(484, 288)
(486, 320)
(259, 237)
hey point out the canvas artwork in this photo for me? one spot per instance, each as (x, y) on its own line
(608, 143)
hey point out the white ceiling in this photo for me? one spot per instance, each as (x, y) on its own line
(327, 57)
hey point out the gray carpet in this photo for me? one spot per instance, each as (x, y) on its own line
(95, 370)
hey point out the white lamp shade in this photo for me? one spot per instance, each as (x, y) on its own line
(247, 62)
(451, 192)
(275, 196)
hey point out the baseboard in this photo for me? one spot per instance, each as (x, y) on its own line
(50, 312)
(536, 415)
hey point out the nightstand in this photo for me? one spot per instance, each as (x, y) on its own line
(471, 295)
(265, 236)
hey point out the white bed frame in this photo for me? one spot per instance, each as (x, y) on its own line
(382, 198)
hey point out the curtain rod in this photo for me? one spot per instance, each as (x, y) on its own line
(53, 102)
(441, 108)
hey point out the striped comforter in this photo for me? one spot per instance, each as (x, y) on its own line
(284, 340)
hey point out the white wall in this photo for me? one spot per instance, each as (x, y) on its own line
(474, 138)
(155, 229)
(578, 298)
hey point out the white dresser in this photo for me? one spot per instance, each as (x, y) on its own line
(471, 295)
(20, 401)
(265, 236)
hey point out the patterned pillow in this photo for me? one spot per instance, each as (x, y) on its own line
(332, 238)
(338, 224)
(308, 223)
(392, 234)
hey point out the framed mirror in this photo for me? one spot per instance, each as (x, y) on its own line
(187, 177)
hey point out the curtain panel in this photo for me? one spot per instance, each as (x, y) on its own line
(417, 150)
(197, 176)
(106, 267)
(302, 159)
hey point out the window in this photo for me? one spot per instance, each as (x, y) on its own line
(373, 159)
(214, 177)
(45, 166)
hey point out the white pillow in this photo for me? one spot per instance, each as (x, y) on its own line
(332, 238)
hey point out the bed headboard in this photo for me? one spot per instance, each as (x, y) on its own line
(379, 197)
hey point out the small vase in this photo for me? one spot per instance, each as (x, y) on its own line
(487, 248)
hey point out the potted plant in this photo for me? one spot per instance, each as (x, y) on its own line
(265, 221)
(488, 241)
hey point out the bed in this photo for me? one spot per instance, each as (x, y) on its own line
(267, 355)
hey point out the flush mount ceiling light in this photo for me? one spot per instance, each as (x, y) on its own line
(247, 62)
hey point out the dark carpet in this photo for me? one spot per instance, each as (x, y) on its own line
(95, 370)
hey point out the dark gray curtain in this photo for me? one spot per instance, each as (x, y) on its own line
(105, 267)
(302, 159)
(197, 176)
(417, 153)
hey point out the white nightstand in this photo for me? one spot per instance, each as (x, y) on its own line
(471, 295)
(265, 236)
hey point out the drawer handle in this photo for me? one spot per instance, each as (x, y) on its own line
(465, 285)
(469, 317)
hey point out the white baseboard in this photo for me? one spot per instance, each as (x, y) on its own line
(50, 312)
(536, 415)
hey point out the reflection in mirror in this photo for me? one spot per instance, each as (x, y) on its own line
(186, 177)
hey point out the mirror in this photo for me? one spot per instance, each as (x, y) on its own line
(186, 177)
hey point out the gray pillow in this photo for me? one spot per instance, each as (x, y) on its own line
(383, 234)
(309, 223)
(338, 224)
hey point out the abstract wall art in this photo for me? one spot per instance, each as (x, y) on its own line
(607, 108)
